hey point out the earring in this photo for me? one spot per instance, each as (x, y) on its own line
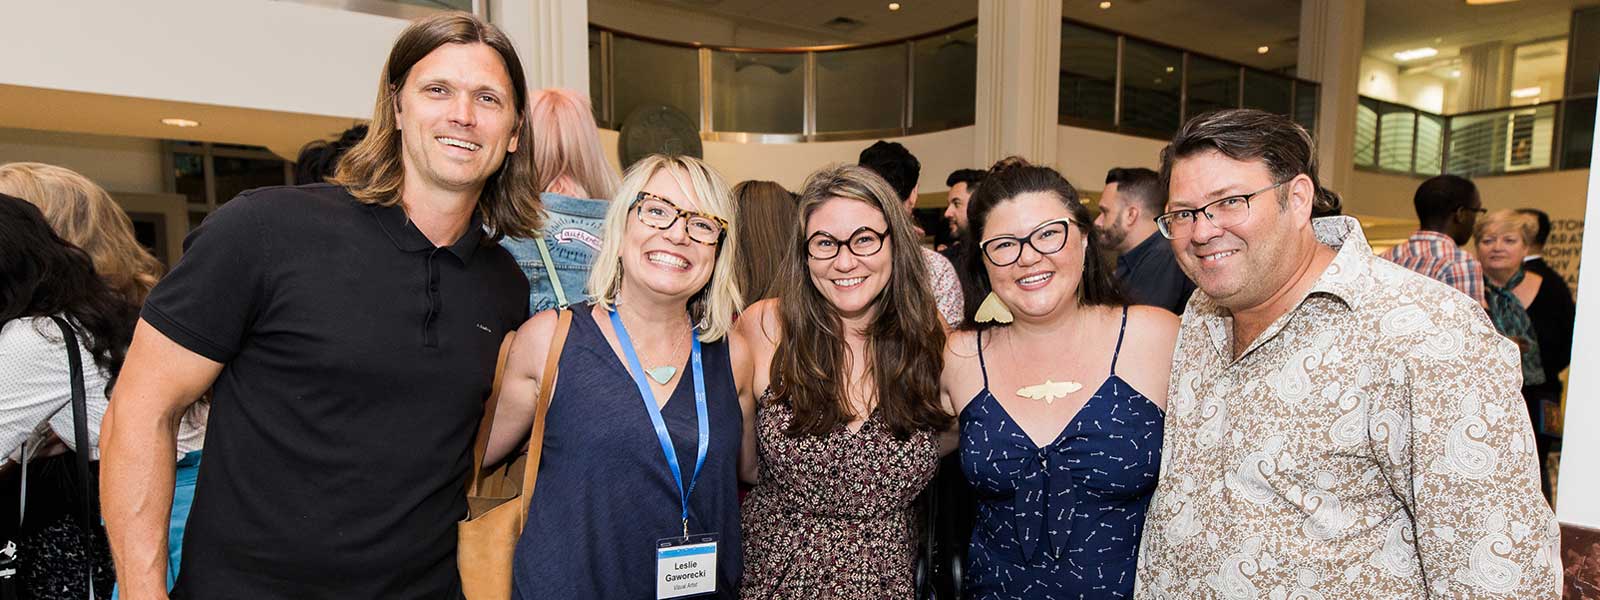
(993, 309)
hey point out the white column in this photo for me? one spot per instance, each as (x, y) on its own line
(552, 39)
(1578, 487)
(1019, 74)
(1485, 77)
(1330, 54)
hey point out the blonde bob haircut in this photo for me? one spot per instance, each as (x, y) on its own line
(1506, 219)
(374, 170)
(715, 305)
(84, 215)
(566, 145)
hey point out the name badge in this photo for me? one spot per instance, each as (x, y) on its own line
(686, 566)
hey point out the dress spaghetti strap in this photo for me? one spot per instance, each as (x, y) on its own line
(1120, 333)
(985, 368)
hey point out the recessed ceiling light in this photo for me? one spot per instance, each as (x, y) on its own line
(1105, 5)
(1416, 53)
(1482, 2)
(180, 122)
(1171, 69)
(894, 6)
(1455, 73)
(1527, 92)
(1262, 49)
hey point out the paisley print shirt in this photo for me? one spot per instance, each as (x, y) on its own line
(1371, 443)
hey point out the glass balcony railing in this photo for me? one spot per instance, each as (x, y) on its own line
(1122, 83)
(1552, 135)
(899, 87)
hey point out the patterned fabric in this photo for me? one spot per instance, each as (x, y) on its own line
(1511, 319)
(1062, 521)
(1370, 443)
(36, 390)
(946, 286)
(1436, 255)
(832, 515)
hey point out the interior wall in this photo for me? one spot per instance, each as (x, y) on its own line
(692, 26)
(1379, 80)
(119, 164)
(261, 54)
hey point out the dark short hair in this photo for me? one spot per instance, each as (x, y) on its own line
(319, 158)
(1247, 134)
(1141, 184)
(971, 177)
(894, 164)
(1543, 234)
(1441, 196)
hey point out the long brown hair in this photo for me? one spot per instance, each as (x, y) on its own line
(84, 215)
(766, 214)
(373, 170)
(905, 341)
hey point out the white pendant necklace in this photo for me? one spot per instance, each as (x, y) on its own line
(662, 374)
(1048, 391)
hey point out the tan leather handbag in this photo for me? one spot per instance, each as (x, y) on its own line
(497, 500)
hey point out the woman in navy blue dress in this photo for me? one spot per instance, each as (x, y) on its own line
(644, 431)
(1059, 402)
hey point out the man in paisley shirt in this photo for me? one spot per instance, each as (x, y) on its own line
(1338, 426)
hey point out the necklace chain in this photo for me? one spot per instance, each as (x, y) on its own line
(671, 356)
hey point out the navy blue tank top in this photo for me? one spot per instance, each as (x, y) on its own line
(605, 494)
(1063, 520)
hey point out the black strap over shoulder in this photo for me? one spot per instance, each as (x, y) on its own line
(80, 434)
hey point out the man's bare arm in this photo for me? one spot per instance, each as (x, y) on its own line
(138, 449)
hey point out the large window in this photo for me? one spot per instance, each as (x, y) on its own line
(926, 83)
(210, 175)
(1123, 83)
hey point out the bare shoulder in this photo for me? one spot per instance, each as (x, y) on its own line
(1146, 358)
(961, 345)
(761, 323)
(533, 340)
(1149, 321)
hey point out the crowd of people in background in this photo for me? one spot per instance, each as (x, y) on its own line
(1203, 384)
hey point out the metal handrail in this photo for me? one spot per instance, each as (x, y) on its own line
(791, 50)
(1559, 106)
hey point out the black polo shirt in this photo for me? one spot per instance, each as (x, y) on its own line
(1150, 274)
(357, 357)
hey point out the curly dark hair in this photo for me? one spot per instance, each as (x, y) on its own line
(1007, 179)
(45, 276)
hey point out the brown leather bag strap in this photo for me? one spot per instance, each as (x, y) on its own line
(481, 445)
(547, 385)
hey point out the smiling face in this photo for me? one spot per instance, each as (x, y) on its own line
(850, 283)
(1501, 249)
(665, 263)
(457, 119)
(1036, 285)
(1244, 265)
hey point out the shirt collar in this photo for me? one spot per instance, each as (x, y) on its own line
(1423, 235)
(405, 235)
(1347, 279)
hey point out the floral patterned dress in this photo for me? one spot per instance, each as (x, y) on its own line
(832, 515)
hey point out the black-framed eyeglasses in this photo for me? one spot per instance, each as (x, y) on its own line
(1223, 212)
(1047, 238)
(661, 213)
(863, 242)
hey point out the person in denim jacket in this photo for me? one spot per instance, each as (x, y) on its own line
(576, 183)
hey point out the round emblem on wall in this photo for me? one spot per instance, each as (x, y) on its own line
(658, 129)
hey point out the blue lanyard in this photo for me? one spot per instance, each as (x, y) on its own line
(655, 411)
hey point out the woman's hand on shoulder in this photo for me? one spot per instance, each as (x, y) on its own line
(1148, 344)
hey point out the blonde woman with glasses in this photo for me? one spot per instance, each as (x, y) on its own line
(642, 439)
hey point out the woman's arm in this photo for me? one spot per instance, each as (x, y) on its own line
(752, 344)
(519, 386)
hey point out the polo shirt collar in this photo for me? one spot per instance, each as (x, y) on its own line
(405, 235)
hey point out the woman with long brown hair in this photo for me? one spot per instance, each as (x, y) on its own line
(765, 213)
(848, 428)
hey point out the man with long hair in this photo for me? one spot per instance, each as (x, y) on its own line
(348, 331)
